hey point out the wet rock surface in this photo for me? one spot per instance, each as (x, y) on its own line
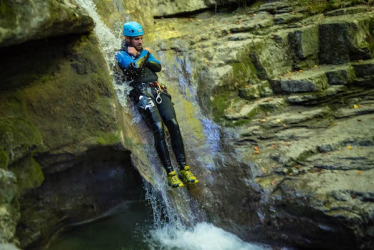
(297, 157)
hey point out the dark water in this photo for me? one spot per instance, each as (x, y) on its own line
(123, 229)
(130, 227)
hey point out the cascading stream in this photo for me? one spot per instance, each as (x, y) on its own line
(171, 229)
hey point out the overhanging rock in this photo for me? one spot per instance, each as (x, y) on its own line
(22, 21)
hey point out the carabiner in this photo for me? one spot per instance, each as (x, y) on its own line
(158, 98)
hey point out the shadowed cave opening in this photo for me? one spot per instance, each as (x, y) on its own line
(100, 183)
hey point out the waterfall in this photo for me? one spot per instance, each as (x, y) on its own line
(176, 216)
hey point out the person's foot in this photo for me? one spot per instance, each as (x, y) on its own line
(174, 181)
(187, 176)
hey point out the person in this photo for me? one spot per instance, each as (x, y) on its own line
(153, 101)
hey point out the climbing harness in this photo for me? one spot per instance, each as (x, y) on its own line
(159, 88)
(146, 99)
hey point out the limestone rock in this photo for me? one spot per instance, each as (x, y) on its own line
(38, 19)
(312, 82)
(288, 18)
(364, 68)
(271, 103)
(256, 91)
(241, 110)
(274, 7)
(9, 215)
(334, 90)
(342, 75)
(270, 58)
(8, 247)
(290, 118)
(311, 98)
(355, 110)
(347, 11)
(259, 21)
(305, 41)
(343, 39)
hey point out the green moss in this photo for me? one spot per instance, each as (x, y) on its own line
(105, 139)
(29, 174)
(302, 157)
(370, 38)
(220, 102)
(4, 159)
(7, 14)
(257, 4)
(236, 123)
(12, 106)
(241, 72)
(18, 136)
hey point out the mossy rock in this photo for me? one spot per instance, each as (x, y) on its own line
(18, 136)
(63, 96)
(108, 139)
(29, 174)
(220, 101)
(8, 186)
(32, 20)
(4, 159)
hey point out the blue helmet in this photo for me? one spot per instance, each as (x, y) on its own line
(132, 29)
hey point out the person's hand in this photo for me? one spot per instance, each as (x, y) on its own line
(132, 51)
(148, 49)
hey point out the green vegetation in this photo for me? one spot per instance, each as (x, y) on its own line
(7, 14)
(4, 159)
(105, 139)
(18, 136)
(220, 102)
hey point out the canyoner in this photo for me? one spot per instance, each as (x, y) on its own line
(153, 101)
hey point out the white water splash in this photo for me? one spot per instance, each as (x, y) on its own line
(170, 233)
(203, 236)
(108, 41)
(110, 44)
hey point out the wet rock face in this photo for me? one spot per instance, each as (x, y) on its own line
(292, 94)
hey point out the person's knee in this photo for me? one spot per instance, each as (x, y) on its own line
(158, 129)
(172, 124)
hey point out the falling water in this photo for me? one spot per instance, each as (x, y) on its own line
(171, 229)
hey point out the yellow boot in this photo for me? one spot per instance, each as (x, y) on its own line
(174, 180)
(187, 176)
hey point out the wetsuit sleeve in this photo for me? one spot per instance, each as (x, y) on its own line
(126, 62)
(153, 63)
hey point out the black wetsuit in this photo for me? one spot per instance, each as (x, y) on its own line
(154, 105)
